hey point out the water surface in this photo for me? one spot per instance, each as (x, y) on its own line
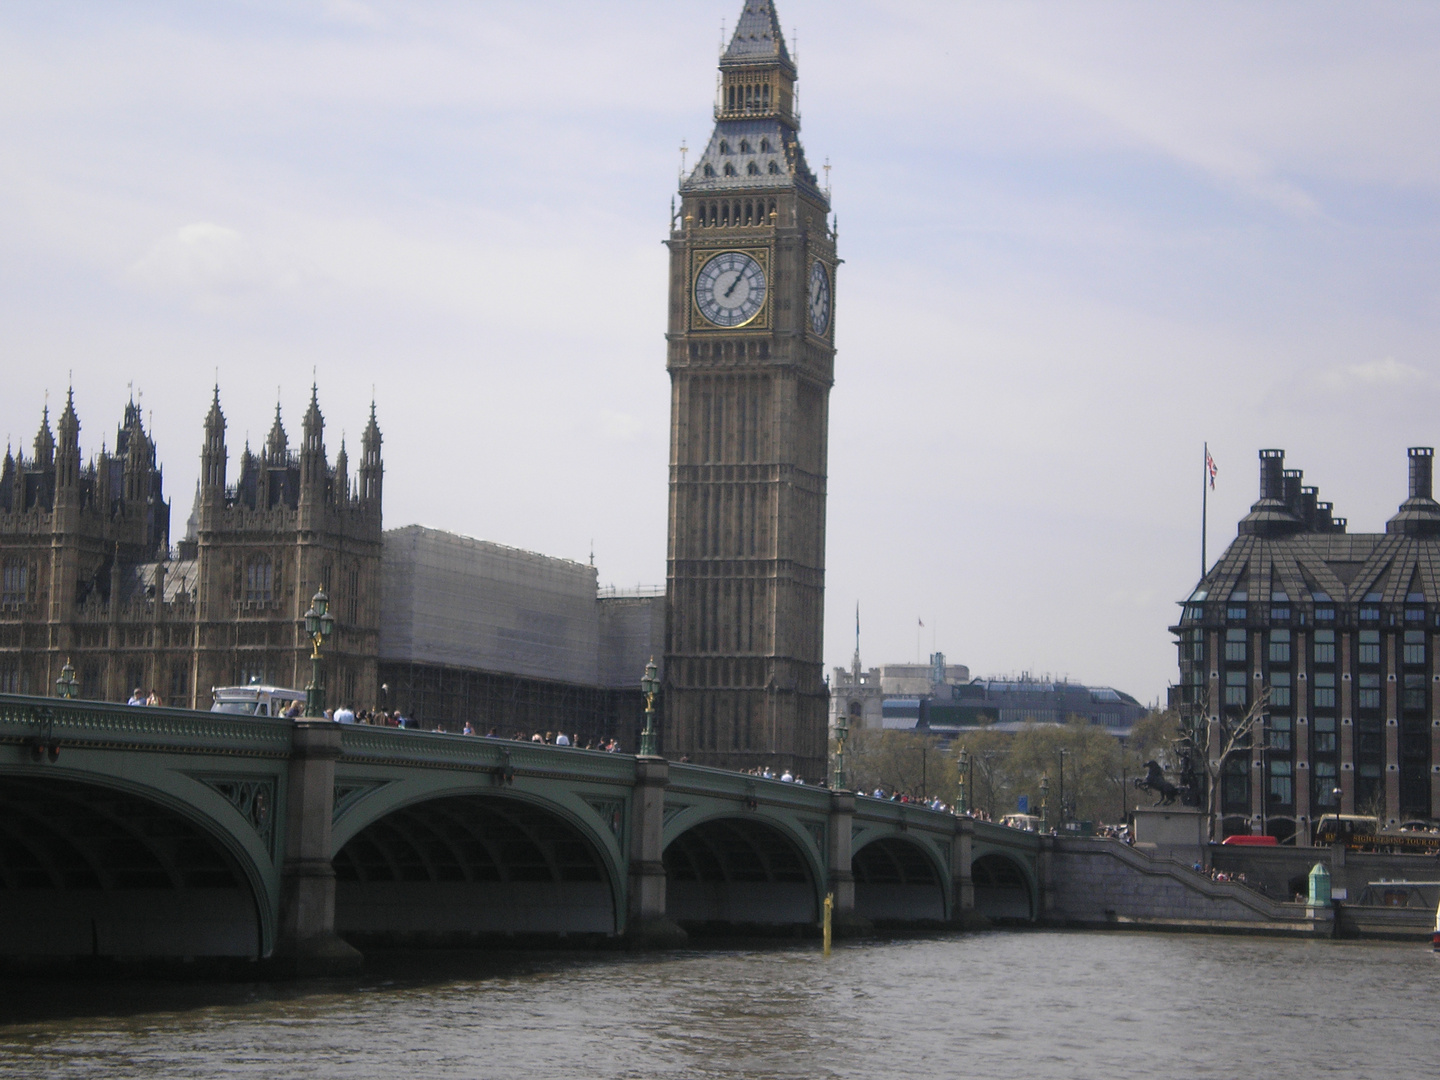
(1033, 1005)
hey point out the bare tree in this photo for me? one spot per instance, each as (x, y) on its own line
(1213, 738)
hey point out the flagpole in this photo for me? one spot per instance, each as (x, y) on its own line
(1204, 506)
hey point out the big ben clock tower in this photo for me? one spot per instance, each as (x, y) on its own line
(751, 360)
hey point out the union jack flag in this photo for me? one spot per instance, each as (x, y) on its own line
(1211, 467)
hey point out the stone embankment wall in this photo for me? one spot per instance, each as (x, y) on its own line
(1105, 882)
(1282, 870)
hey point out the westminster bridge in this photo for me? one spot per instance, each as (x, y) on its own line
(153, 832)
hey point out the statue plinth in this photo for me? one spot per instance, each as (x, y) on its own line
(1177, 832)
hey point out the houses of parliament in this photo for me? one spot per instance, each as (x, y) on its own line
(90, 574)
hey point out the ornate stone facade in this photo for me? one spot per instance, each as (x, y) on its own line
(751, 357)
(89, 574)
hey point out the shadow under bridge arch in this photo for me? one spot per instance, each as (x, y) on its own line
(471, 865)
(91, 870)
(897, 881)
(728, 873)
(1002, 889)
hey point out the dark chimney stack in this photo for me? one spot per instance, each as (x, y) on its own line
(1422, 467)
(1272, 478)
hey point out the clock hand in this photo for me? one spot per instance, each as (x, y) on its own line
(731, 289)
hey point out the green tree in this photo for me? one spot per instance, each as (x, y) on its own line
(909, 762)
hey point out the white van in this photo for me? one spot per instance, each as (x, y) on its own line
(255, 700)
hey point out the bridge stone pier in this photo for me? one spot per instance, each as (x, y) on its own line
(164, 834)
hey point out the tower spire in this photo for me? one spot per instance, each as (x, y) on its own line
(758, 36)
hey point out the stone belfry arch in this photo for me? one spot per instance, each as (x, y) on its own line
(750, 350)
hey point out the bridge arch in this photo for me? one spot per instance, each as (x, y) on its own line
(100, 866)
(898, 879)
(1004, 886)
(728, 870)
(470, 861)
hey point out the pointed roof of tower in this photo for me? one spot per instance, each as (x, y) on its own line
(277, 443)
(44, 439)
(370, 437)
(757, 36)
(215, 418)
(313, 420)
(69, 423)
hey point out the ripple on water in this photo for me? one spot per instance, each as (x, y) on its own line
(1036, 1005)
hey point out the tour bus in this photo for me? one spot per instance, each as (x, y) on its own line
(1028, 822)
(1360, 832)
(255, 700)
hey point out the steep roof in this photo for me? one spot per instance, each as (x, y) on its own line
(757, 36)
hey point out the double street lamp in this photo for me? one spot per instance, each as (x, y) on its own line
(1044, 801)
(67, 686)
(842, 732)
(319, 624)
(649, 686)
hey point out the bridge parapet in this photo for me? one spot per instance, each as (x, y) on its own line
(393, 746)
(100, 724)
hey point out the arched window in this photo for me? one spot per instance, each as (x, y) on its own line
(724, 213)
(744, 146)
(259, 580)
(752, 169)
(764, 146)
(765, 95)
(724, 147)
(729, 169)
(709, 170)
(774, 169)
(15, 584)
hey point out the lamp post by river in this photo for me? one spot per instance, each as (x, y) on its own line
(963, 804)
(1044, 801)
(649, 686)
(842, 732)
(1124, 798)
(1063, 752)
(66, 686)
(319, 624)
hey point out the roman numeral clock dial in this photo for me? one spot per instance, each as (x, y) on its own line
(730, 289)
(819, 299)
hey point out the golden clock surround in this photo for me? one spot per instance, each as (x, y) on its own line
(699, 257)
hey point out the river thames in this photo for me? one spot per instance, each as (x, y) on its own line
(1034, 1004)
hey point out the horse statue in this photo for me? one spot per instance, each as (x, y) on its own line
(1155, 781)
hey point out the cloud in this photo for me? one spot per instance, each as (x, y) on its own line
(210, 263)
(1384, 373)
(621, 427)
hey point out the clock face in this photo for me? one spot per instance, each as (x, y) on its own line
(730, 289)
(819, 299)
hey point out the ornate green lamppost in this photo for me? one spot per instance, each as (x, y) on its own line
(962, 804)
(649, 686)
(319, 625)
(1044, 796)
(66, 686)
(842, 732)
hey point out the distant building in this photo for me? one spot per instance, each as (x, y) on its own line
(862, 694)
(941, 698)
(475, 630)
(1343, 629)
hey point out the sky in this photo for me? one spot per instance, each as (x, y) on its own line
(1080, 241)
